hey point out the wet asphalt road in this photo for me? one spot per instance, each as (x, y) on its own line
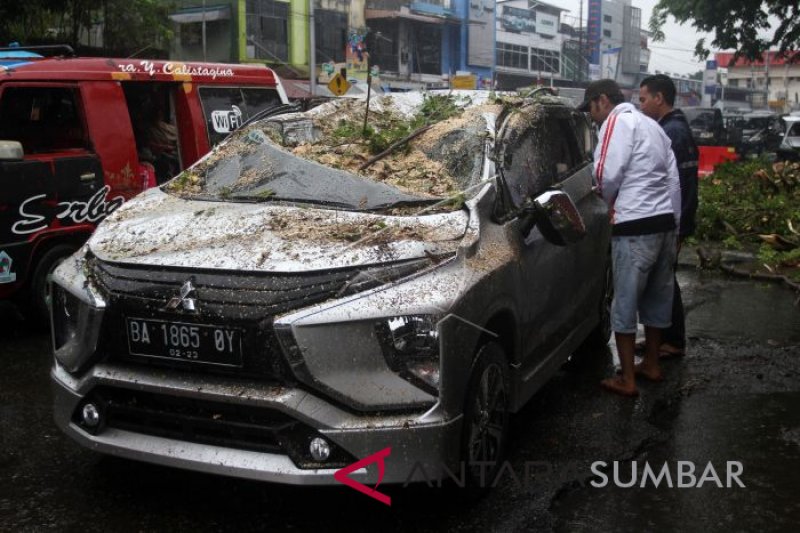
(735, 397)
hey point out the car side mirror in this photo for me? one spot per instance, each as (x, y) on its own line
(11, 151)
(557, 217)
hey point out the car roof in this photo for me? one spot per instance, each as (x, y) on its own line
(760, 114)
(102, 69)
(791, 118)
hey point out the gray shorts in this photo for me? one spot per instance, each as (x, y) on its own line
(643, 280)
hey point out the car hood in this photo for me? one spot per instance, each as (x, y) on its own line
(794, 142)
(162, 230)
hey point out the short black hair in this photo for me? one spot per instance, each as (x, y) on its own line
(660, 83)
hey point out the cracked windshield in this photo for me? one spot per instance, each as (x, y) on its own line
(358, 265)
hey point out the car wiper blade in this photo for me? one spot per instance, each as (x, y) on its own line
(276, 198)
(407, 203)
(269, 112)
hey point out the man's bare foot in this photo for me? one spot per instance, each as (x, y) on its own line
(620, 386)
(666, 350)
(648, 373)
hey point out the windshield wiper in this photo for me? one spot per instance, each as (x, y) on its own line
(406, 203)
(269, 112)
(276, 198)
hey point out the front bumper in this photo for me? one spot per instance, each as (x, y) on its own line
(422, 444)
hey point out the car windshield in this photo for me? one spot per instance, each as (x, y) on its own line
(756, 123)
(324, 156)
(700, 118)
(794, 130)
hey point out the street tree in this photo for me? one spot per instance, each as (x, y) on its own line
(127, 26)
(736, 24)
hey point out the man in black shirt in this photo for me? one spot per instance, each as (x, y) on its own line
(657, 98)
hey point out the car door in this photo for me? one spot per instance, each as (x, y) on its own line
(529, 170)
(559, 285)
(59, 183)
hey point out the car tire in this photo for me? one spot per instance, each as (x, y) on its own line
(39, 296)
(486, 417)
(600, 335)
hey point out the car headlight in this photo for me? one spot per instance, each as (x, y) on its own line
(411, 348)
(76, 328)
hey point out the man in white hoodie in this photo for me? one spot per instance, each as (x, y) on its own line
(636, 174)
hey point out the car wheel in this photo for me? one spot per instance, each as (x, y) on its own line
(486, 416)
(40, 293)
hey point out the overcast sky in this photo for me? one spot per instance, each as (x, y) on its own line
(675, 54)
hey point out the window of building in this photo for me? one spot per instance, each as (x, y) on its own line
(606, 18)
(545, 60)
(43, 119)
(512, 55)
(427, 53)
(268, 29)
(607, 33)
(331, 35)
(382, 45)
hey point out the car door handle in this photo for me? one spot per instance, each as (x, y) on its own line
(88, 176)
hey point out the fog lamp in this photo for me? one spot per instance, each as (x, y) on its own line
(320, 449)
(91, 415)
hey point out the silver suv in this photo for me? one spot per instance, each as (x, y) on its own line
(313, 292)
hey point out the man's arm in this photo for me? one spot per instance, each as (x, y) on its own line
(674, 183)
(615, 152)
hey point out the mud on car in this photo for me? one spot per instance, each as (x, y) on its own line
(312, 292)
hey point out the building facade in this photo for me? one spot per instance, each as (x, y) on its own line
(772, 82)
(617, 45)
(530, 45)
(411, 45)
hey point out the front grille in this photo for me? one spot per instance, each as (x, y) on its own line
(204, 422)
(232, 296)
(247, 301)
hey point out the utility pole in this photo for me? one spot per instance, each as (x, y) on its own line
(312, 52)
(205, 55)
(580, 42)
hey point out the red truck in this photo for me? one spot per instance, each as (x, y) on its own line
(80, 136)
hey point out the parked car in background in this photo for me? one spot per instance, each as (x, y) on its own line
(762, 132)
(789, 148)
(80, 136)
(708, 128)
(291, 303)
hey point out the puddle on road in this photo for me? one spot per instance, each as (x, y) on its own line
(725, 308)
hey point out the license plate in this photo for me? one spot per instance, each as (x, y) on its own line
(215, 345)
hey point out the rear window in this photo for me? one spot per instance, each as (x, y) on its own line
(43, 119)
(226, 108)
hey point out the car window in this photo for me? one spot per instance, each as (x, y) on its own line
(43, 119)
(525, 164)
(226, 108)
(564, 150)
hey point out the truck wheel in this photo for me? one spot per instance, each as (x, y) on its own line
(40, 293)
(486, 416)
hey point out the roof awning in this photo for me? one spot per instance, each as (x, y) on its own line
(198, 14)
(387, 14)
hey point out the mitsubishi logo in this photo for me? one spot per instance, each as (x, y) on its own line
(185, 300)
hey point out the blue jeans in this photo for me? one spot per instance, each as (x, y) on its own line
(643, 280)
